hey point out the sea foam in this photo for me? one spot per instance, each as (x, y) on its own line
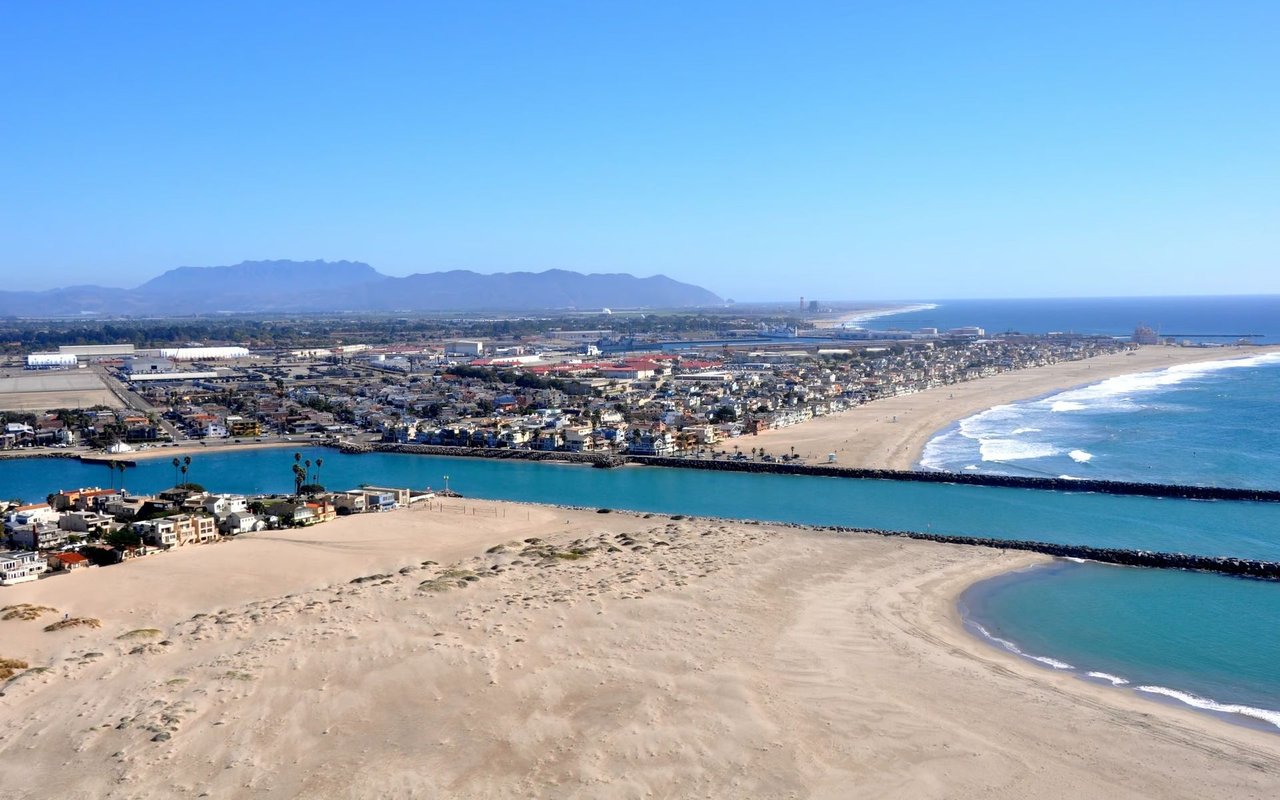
(1014, 450)
(1013, 648)
(1039, 428)
(1205, 704)
(856, 319)
(1114, 680)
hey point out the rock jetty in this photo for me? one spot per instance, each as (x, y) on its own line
(1242, 567)
(1186, 492)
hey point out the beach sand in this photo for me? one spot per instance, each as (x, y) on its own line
(622, 656)
(891, 433)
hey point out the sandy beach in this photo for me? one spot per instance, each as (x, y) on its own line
(891, 433)
(501, 650)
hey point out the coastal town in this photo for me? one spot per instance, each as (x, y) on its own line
(551, 393)
(556, 391)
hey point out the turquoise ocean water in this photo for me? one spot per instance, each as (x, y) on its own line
(1209, 641)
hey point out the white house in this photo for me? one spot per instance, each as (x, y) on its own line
(26, 516)
(242, 522)
(221, 505)
(20, 567)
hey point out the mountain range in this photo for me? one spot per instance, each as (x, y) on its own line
(319, 286)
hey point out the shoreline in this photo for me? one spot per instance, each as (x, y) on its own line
(756, 653)
(1266, 720)
(892, 432)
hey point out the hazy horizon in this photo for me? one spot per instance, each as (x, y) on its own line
(765, 300)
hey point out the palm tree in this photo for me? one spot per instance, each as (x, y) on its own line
(319, 464)
(299, 478)
(176, 464)
(120, 465)
(186, 464)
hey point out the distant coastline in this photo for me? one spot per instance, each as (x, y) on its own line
(891, 433)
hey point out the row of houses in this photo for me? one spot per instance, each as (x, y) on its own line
(84, 527)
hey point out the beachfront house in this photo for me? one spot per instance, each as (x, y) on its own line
(379, 500)
(238, 522)
(20, 567)
(194, 528)
(221, 505)
(157, 532)
(348, 502)
(68, 562)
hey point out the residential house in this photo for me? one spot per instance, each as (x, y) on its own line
(158, 532)
(322, 511)
(20, 567)
(401, 497)
(26, 516)
(90, 523)
(650, 443)
(296, 514)
(194, 528)
(38, 536)
(377, 500)
(242, 426)
(238, 522)
(221, 505)
(68, 562)
(122, 507)
(348, 502)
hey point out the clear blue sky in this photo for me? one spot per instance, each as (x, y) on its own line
(874, 150)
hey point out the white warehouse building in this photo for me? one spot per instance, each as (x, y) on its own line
(464, 347)
(51, 360)
(203, 353)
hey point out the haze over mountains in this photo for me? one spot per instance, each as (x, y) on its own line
(318, 286)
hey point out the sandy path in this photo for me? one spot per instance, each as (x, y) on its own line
(891, 433)
(629, 657)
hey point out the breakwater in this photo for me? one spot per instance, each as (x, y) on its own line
(594, 459)
(1240, 567)
(1180, 491)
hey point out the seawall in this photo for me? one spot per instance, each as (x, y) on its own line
(594, 459)
(1240, 567)
(1181, 491)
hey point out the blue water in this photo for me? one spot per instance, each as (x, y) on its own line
(1208, 528)
(1190, 317)
(1205, 423)
(1206, 640)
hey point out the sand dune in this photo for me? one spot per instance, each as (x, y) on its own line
(569, 654)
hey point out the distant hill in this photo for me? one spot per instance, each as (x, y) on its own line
(317, 286)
